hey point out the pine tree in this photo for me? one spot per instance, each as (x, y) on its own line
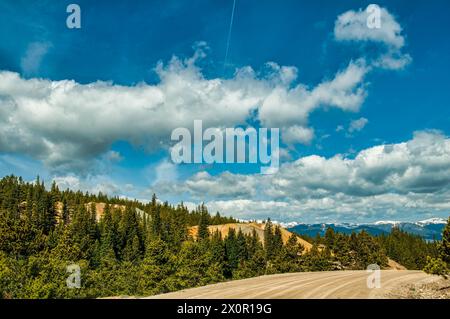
(217, 248)
(232, 252)
(156, 267)
(293, 248)
(269, 240)
(131, 251)
(253, 243)
(65, 215)
(195, 266)
(241, 242)
(107, 235)
(289, 258)
(329, 238)
(444, 248)
(156, 217)
(203, 232)
(277, 239)
(129, 230)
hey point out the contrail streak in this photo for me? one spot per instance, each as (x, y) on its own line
(229, 35)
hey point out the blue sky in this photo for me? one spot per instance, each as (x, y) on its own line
(393, 162)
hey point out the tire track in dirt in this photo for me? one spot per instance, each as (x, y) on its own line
(329, 284)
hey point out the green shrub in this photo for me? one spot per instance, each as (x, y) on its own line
(436, 266)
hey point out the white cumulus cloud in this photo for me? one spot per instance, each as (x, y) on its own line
(66, 124)
(352, 26)
(391, 178)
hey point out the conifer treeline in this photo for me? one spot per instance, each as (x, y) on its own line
(408, 249)
(143, 249)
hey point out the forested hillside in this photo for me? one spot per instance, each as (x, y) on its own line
(409, 250)
(139, 248)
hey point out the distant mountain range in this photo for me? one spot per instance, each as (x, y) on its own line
(428, 229)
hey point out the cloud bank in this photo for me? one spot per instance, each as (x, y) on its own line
(67, 125)
(381, 180)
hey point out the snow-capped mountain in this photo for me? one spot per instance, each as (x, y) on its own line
(430, 221)
(429, 229)
(387, 222)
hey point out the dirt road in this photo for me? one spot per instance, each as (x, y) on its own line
(329, 284)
